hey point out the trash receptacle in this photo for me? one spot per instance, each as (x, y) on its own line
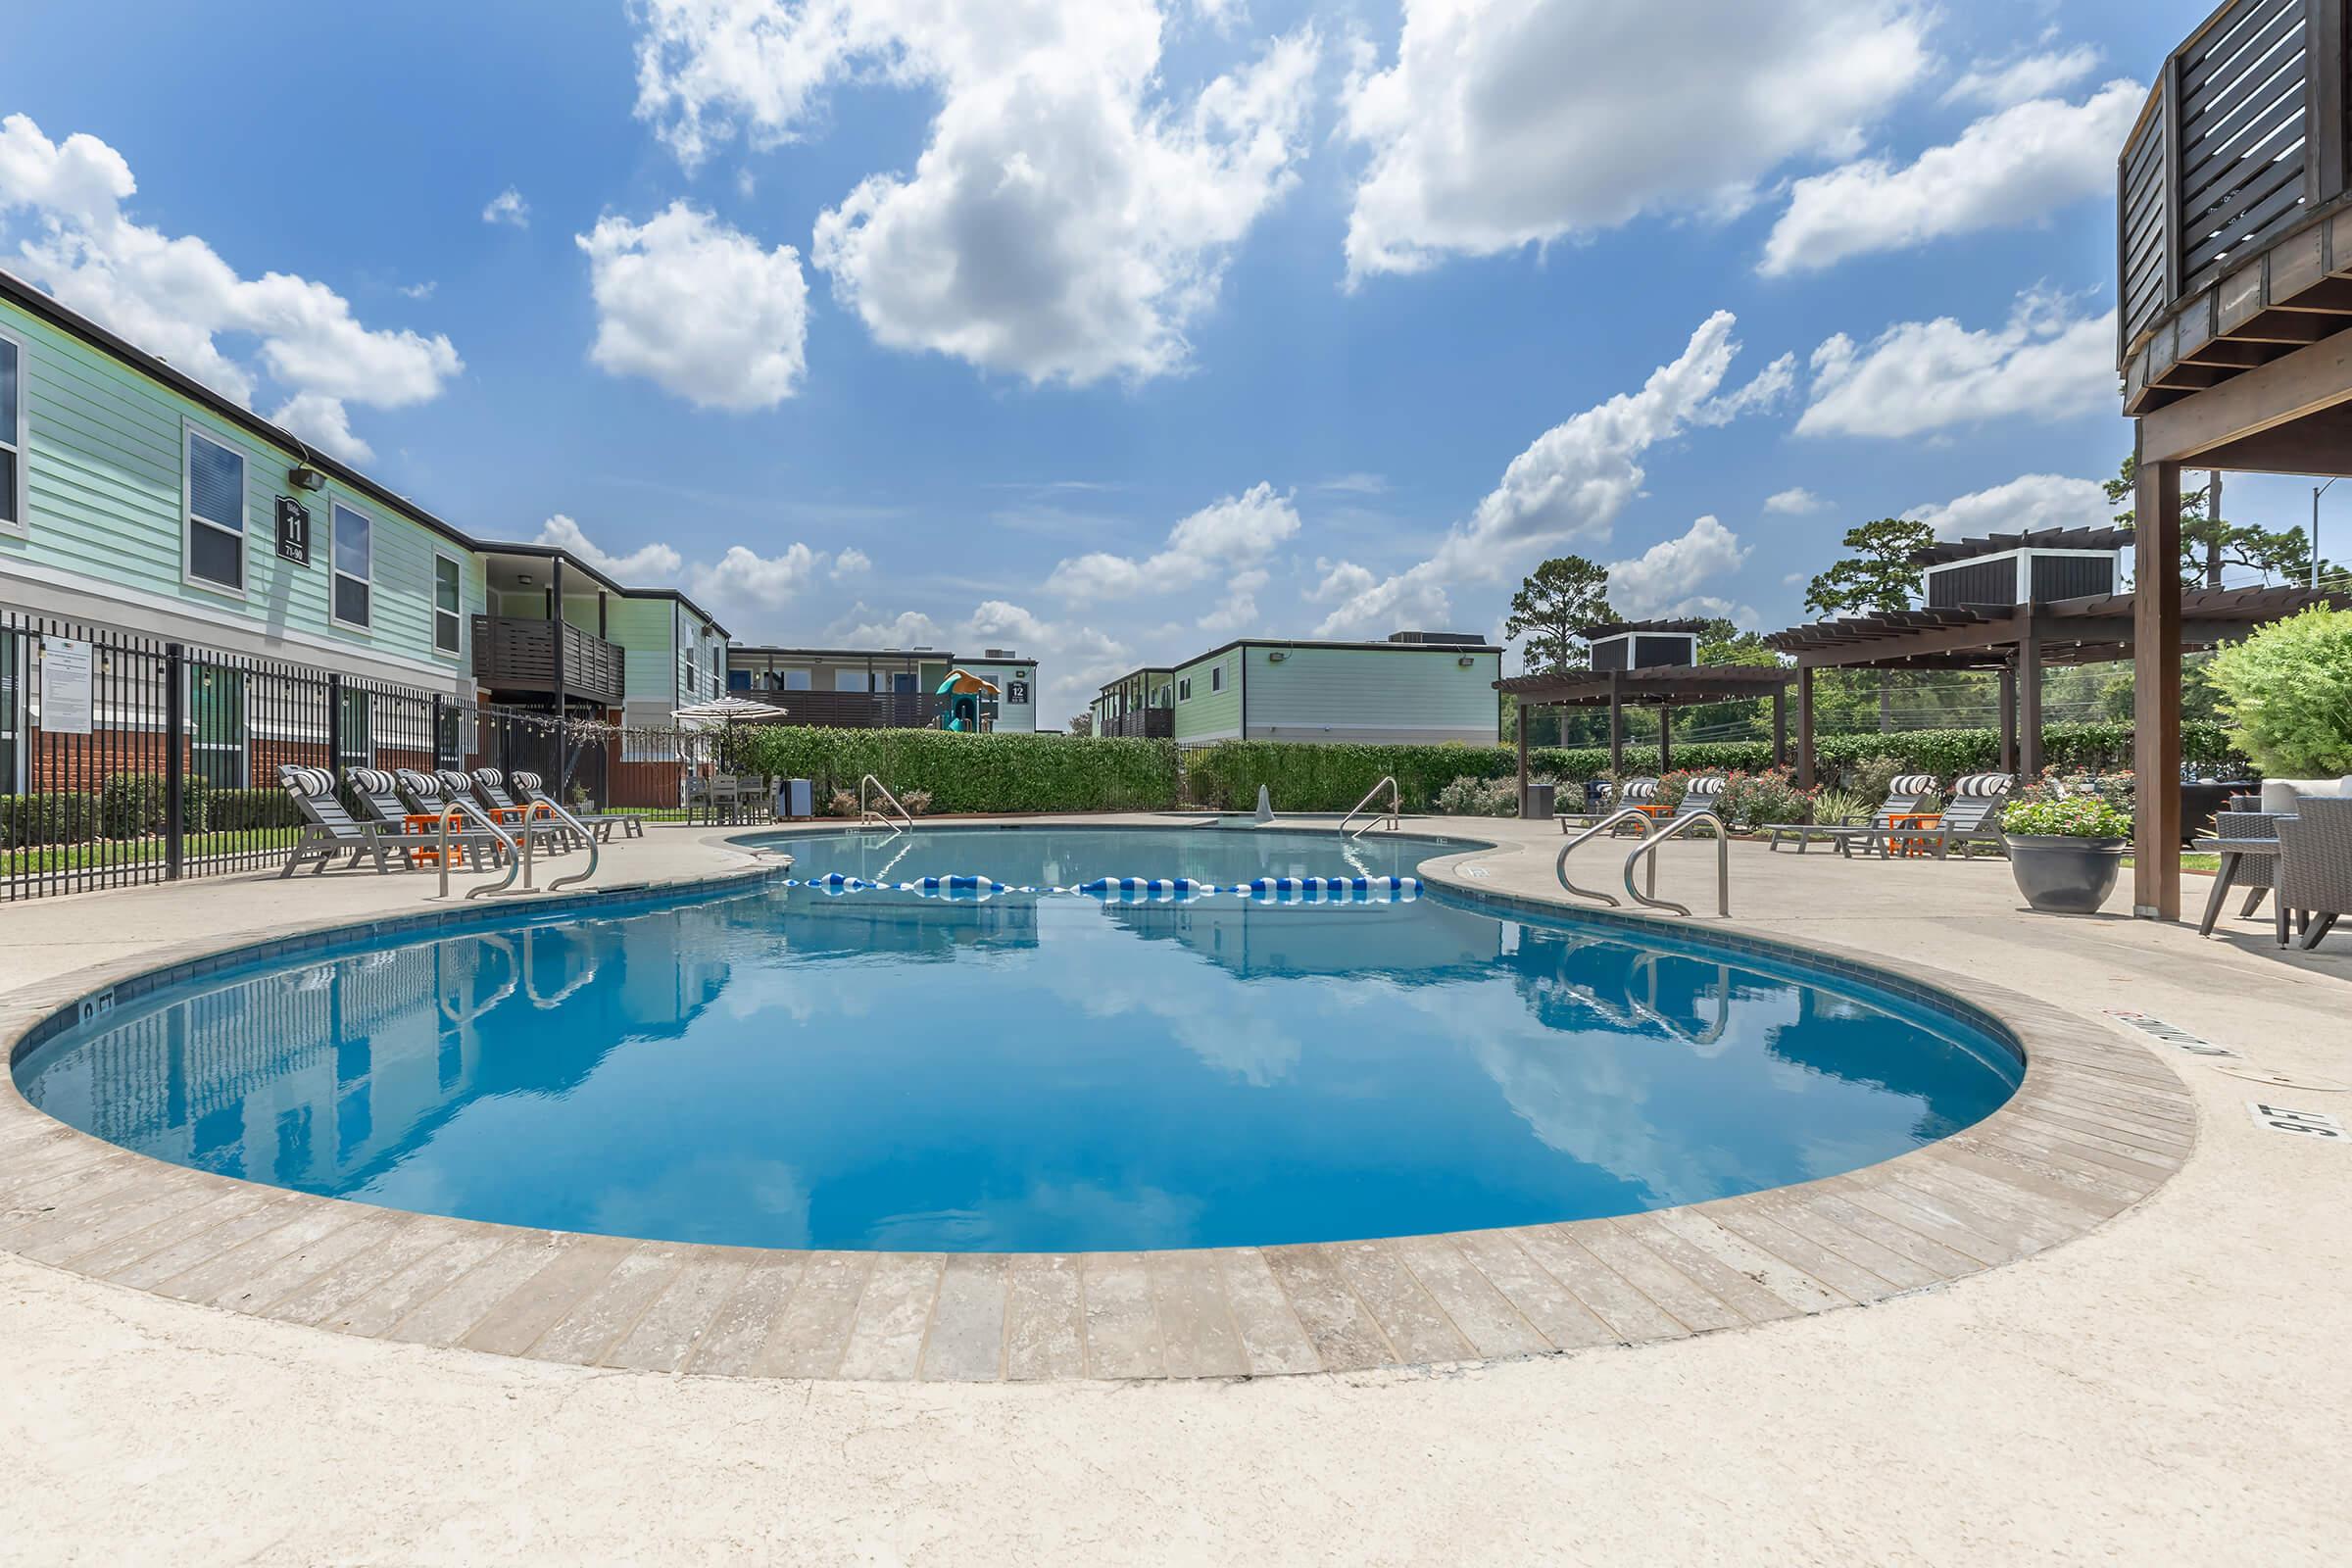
(1539, 802)
(798, 799)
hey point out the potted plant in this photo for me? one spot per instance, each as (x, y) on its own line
(2067, 851)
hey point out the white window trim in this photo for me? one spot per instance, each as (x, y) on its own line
(189, 430)
(17, 438)
(439, 555)
(335, 508)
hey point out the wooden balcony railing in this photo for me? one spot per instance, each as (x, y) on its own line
(855, 710)
(514, 654)
(2229, 195)
(1143, 723)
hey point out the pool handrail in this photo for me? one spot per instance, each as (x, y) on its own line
(460, 806)
(1394, 815)
(1607, 824)
(866, 811)
(1650, 847)
(579, 828)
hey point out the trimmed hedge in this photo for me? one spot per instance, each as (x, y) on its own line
(1333, 778)
(1011, 772)
(33, 819)
(131, 805)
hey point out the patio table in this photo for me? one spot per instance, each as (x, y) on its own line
(1900, 822)
(2233, 852)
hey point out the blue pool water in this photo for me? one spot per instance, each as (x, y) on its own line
(776, 1067)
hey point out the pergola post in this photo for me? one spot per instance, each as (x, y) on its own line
(1665, 738)
(1780, 726)
(1617, 723)
(1804, 728)
(2156, 693)
(2028, 697)
(2008, 718)
(1523, 712)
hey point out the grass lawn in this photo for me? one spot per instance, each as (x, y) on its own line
(98, 853)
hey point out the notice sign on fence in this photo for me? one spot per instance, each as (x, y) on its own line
(65, 686)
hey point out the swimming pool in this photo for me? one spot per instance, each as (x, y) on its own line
(1030, 1074)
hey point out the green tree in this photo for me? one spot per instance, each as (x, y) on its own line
(2288, 689)
(1878, 574)
(1558, 597)
(2211, 544)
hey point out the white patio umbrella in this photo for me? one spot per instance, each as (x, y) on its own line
(698, 717)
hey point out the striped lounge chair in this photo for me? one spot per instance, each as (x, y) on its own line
(330, 830)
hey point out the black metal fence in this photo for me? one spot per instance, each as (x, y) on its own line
(126, 759)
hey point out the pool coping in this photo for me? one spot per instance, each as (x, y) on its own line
(2097, 1126)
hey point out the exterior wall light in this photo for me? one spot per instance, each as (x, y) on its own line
(302, 477)
(1276, 657)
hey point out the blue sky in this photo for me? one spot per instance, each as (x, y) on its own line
(1110, 332)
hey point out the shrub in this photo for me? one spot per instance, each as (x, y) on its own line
(916, 802)
(132, 805)
(1871, 777)
(1001, 772)
(242, 811)
(1833, 807)
(1469, 796)
(56, 819)
(2077, 816)
(2289, 690)
(1752, 801)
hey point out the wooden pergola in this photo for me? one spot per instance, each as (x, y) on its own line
(1662, 686)
(2233, 261)
(2018, 641)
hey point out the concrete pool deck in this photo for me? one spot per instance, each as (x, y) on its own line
(2169, 1378)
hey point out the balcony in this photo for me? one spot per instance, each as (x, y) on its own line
(855, 710)
(2233, 235)
(1143, 723)
(512, 654)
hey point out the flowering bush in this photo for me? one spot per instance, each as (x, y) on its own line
(1752, 801)
(2116, 789)
(2076, 816)
(1479, 797)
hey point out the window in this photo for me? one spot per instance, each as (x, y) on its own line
(446, 603)
(1216, 678)
(356, 737)
(1184, 690)
(355, 566)
(449, 737)
(796, 680)
(217, 726)
(850, 680)
(215, 487)
(12, 435)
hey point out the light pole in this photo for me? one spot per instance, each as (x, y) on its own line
(2317, 491)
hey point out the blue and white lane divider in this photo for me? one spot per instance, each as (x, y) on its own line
(1131, 889)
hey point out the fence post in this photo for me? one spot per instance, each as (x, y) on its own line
(334, 726)
(175, 723)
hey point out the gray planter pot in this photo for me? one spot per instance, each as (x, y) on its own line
(2066, 875)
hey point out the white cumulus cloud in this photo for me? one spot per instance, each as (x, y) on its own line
(2028, 500)
(509, 208)
(1223, 540)
(1569, 485)
(1917, 376)
(1998, 83)
(1508, 123)
(63, 202)
(1066, 218)
(648, 565)
(2011, 168)
(850, 562)
(697, 309)
(1660, 581)
(1796, 502)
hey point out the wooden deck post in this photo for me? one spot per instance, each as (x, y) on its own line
(2156, 693)
(2009, 716)
(1804, 728)
(1616, 723)
(1780, 726)
(2028, 699)
(1665, 738)
(1522, 711)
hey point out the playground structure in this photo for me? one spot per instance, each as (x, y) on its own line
(972, 701)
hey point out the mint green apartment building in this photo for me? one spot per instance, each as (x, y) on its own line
(133, 498)
(1417, 688)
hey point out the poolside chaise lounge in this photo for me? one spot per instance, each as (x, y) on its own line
(1903, 795)
(1971, 818)
(386, 804)
(490, 789)
(602, 823)
(328, 830)
(1632, 792)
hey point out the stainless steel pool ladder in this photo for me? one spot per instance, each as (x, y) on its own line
(515, 858)
(1392, 816)
(866, 813)
(1648, 847)
(579, 831)
(1607, 824)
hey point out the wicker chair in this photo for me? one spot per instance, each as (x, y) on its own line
(2315, 865)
